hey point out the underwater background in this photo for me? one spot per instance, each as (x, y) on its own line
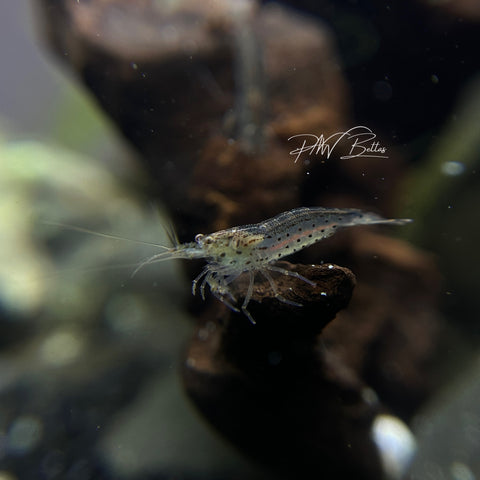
(138, 118)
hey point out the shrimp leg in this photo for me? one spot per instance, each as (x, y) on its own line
(222, 298)
(206, 280)
(274, 268)
(219, 287)
(205, 271)
(248, 296)
(273, 286)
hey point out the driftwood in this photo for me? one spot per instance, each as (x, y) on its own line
(275, 391)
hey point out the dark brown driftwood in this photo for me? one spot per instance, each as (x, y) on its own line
(166, 75)
(273, 389)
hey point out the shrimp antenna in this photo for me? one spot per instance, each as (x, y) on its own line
(171, 233)
(104, 235)
(168, 226)
(159, 257)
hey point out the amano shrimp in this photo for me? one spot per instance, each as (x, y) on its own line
(252, 249)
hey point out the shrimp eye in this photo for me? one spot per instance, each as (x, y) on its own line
(199, 237)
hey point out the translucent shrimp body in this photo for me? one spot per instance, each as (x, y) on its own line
(255, 248)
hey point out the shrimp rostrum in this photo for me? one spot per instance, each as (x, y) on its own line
(252, 249)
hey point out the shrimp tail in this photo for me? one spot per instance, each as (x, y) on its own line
(374, 219)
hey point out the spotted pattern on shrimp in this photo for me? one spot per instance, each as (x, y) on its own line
(252, 249)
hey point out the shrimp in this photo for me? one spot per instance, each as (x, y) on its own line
(252, 249)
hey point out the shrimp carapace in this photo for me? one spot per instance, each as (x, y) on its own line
(255, 248)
